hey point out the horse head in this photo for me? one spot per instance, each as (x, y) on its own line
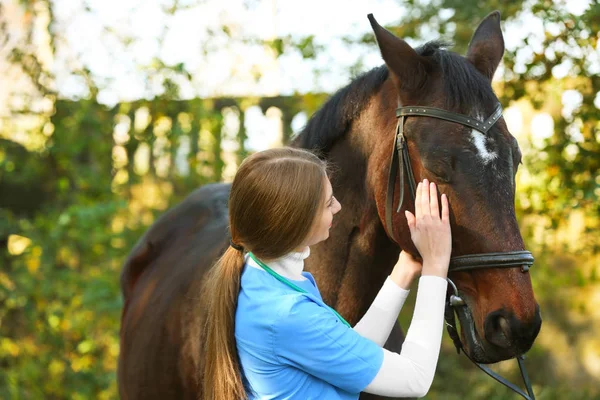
(475, 168)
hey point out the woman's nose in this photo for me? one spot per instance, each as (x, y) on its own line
(338, 208)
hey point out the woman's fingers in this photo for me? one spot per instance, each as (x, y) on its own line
(427, 203)
(425, 210)
(445, 209)
(417, 201)
(410, 218)
(433, 201)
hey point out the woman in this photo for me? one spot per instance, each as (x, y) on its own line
(268, 333)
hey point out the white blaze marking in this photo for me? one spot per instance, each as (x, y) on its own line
(479, 140)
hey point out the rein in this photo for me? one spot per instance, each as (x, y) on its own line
(401, 167)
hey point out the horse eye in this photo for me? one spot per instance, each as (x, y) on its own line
(442, 172)
(442, 178)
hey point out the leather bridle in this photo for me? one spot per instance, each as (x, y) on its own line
(400, 166)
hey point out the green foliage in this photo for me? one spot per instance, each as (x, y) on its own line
(306, 46)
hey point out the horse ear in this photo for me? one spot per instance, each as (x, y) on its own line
(407, 68)
(487, 45)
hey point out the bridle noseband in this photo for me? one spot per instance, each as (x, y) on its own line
(400, 166)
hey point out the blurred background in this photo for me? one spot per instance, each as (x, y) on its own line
(113, 111)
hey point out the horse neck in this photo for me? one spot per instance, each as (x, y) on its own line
(359, 255)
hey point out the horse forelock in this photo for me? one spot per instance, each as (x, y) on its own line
(465, 89)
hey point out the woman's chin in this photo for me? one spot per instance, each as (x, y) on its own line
(324, 238)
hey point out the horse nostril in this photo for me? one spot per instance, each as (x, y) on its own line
(503, 330)
(498, 330)
(504, 326)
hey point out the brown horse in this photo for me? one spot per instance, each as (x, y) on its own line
(161, 350)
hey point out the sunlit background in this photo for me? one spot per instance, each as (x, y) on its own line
(113, 111)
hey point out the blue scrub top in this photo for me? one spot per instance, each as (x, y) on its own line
(291, 346)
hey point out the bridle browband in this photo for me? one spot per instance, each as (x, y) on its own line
(400, 166)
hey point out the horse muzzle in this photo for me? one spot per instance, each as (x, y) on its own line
(503, 335)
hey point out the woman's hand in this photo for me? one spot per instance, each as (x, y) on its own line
(429, 231)
(405, 270)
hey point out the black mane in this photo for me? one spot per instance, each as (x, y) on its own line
(466, 90)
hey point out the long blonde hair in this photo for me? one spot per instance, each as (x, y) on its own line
(274, 199)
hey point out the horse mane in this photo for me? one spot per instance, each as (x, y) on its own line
(333, 119)
(465, 87)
